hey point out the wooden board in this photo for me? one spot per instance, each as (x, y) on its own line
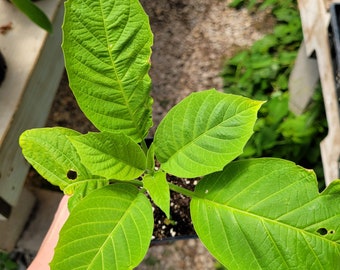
(35, 65)
(315, 21)
(302, 81)
(11, 229)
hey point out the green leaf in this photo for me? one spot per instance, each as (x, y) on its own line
(107, 52)
(51, 153)
(110, 229)
(286, 14)
(111, 155)
(159, 190)
(34, 13)
(287, 58)
(263, 45)
(277, 109)
(204, 132)
(268, 214)
(239, 59)
(236, 3)
(297, 129)
(268, 3)
(6, 262)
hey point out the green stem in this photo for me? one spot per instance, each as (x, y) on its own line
(144, 146)
(136, 183)
(182, 190)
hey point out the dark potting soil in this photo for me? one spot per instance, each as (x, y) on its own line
(180, 224)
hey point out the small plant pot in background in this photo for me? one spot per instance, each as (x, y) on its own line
(3, 68)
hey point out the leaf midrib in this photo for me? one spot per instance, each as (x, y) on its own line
(268, 220)
(109, 237)
(191, 142)
(133, 120)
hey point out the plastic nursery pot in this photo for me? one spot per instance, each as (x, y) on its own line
(179, 226)
(3, 68)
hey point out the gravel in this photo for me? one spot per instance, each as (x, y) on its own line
(192, 39)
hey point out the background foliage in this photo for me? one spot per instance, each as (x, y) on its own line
(262, 72)
(6, 262)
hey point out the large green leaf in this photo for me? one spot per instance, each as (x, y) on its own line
(110, 229)
(204, 132)
(268, 214)
(107, 52)
(111, 155)
(51, 153)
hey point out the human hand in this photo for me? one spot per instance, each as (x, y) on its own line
(46, 251)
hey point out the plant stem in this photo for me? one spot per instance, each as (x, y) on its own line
(182, 190)
(136, 183)
(144, 146)
(172, 187)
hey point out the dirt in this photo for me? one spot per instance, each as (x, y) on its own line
(180, 224)
(192, 39)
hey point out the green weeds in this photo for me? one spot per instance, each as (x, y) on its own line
(262, 72)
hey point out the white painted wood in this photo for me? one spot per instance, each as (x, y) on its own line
(11, 229)
(302, 81)
(35, 66)
(315, 22)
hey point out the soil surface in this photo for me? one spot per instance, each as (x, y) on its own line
(192, 39)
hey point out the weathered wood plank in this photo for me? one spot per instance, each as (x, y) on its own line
(11, 229)
(302, 81)
(315, 22)
(35, 66)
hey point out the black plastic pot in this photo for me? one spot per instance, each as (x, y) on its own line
(3, 68)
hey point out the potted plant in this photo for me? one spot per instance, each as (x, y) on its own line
(250, 214)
